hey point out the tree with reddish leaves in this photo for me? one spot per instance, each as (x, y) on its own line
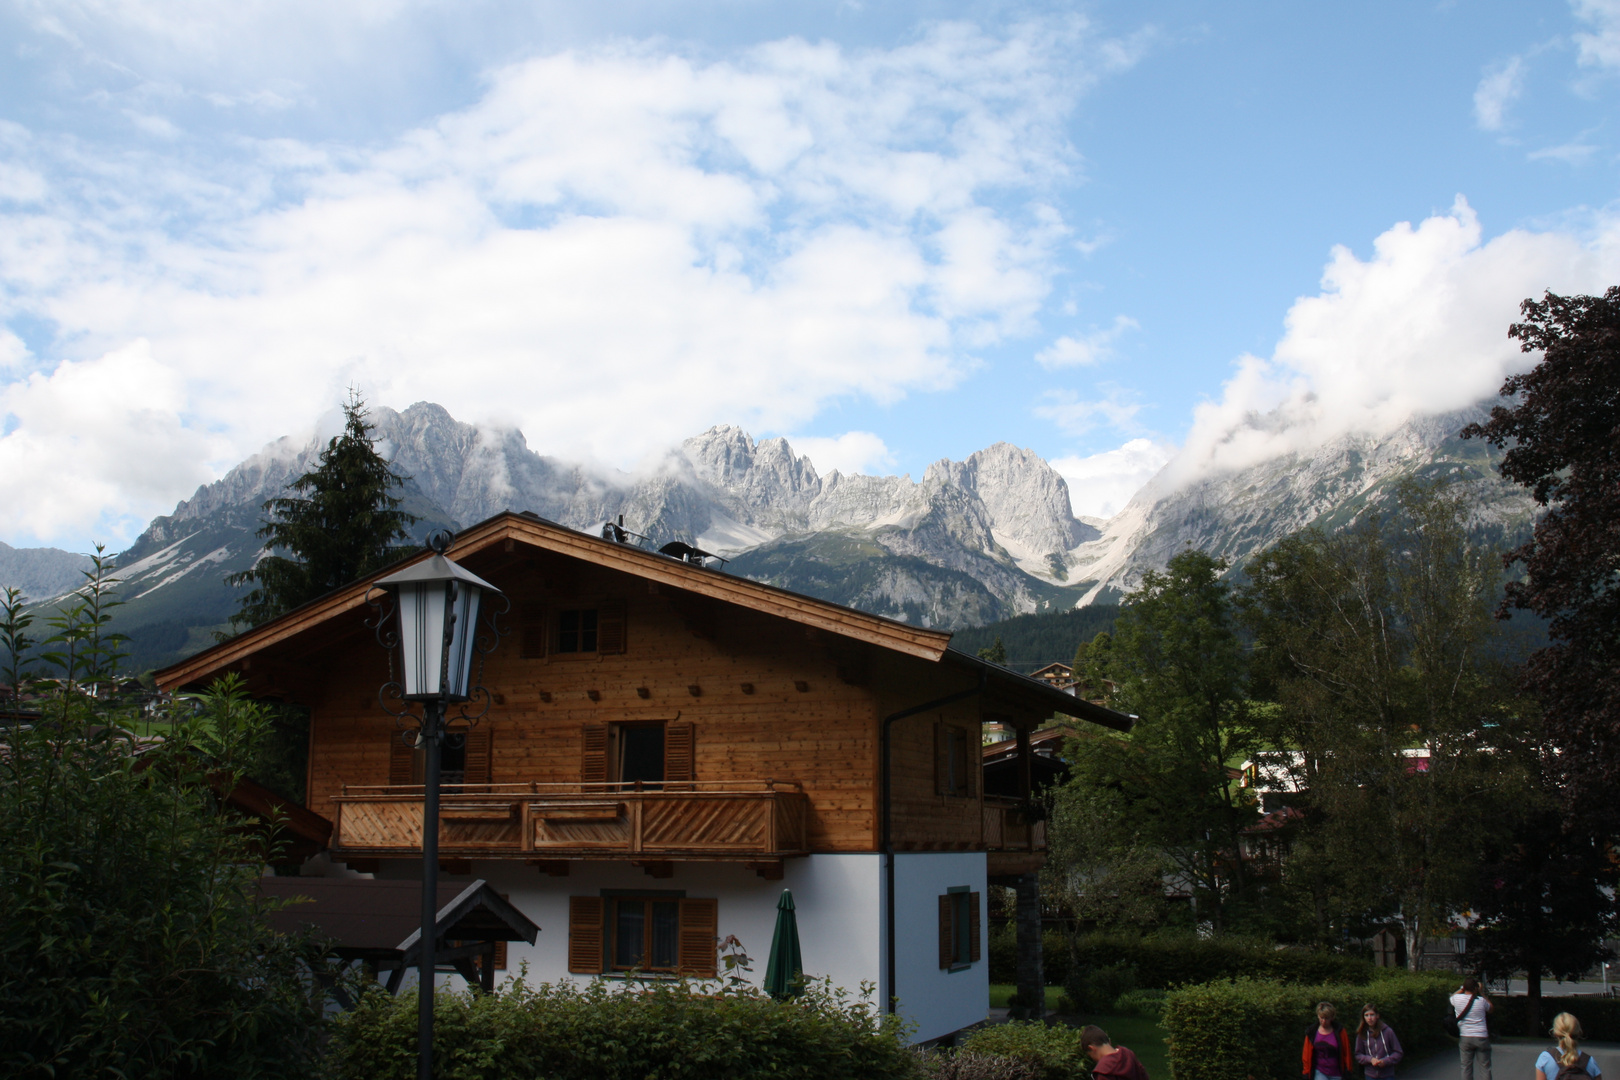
(1561, 433)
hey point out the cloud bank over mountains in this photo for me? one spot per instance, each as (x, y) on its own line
(608, 249)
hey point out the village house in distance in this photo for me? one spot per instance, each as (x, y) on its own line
(667, 748)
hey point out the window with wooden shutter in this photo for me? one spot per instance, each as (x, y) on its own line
(700, 935)
(480, 755)
(973, 928)
(678, 755)
(585, 935)
(610, 627)
(593, 767)
(401, 760)
(953, 761)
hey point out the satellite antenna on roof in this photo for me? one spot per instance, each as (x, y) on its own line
(675, 549)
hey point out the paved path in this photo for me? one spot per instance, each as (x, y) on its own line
(1511, 1059)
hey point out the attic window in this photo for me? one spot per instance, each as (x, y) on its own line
(576, 630)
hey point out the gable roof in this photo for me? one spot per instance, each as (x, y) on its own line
(381, 920)
(509, 528)
(537, 532)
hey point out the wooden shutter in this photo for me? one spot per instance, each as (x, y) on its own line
(973, 928)
(401, 760)
(585, 935)
(700, 932)
(593, 767)
(532, 632)
(947, 933)
(610, 620)
(678, 754)
(480, 754)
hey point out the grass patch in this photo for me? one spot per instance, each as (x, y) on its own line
(1000, 992)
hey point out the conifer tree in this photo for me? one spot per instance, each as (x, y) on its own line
(337, 523)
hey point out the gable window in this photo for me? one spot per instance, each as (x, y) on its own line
(655, 931)
(955, 756)
(652, 753)
(576, 630)
(958, 928)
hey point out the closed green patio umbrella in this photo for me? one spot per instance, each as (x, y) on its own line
(784, 967)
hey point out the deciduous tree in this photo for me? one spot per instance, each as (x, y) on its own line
(1561, 434)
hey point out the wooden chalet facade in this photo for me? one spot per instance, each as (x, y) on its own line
(667, 747)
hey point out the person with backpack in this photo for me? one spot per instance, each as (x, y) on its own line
(1326, 1054)
(1378, 1051)
(1570, 1063)
(1473, 1033)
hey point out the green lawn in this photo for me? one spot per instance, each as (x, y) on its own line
(1142, 1035)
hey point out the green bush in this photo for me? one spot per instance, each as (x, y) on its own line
(1169, 959)
(1144, 1003)
(967, 1065)
(1095, 989)
(1599, 1017)
(1252, 1029)
(672, 1030)
(1054, 1052)
(1004, 956)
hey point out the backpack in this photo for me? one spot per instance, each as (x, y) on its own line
(1575, 1071)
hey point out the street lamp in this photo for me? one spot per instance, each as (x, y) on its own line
(433, 641)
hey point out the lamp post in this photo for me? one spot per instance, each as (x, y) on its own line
(434, 640)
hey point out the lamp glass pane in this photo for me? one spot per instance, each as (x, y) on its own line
(462, 636)
(421, 636)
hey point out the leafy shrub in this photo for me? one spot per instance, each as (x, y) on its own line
(1004, 956)
(1146, 1003)
(1054, 1052)
(1252, 1028)
(969, 1065)
(1168, 959)
(1095, 989)
(673, 1030)
(1599, 1017)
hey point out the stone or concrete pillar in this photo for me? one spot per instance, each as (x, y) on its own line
(1031, 984)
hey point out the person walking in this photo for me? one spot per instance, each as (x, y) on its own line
(1570, 1063)
(1473, 1033)
(1378, 1051)
(1326, 1053)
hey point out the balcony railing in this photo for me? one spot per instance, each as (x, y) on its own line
(1008, 828)
(573, 821)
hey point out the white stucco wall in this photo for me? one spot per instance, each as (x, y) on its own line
(839, 901)
(936, 1000)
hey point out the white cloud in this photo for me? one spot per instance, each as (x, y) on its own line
(1420, 328)
(1101, 484)
(1077, 415)
(1572, 153)
(610, 249)
(1499, 88)
(1599, 47)
(850, 453)
(1086, 349)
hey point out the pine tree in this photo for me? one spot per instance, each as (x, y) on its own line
(337, 523)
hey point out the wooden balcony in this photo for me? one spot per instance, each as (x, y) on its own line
(578, 821)
(1014, 844)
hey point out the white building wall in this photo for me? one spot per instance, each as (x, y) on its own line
(936, 1000)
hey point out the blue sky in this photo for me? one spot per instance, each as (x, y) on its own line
(1118, 234)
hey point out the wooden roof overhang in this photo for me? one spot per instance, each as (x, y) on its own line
(315, 627)
(380, 921)
(1031, 701)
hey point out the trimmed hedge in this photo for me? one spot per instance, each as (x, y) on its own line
(1170, 959)
(1004, 956)
(1599, 1016)
(1252, 1029)
(665, 1030)
(1053, 1052)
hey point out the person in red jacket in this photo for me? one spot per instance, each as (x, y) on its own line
(1326, 1054)
(1109, 1060)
